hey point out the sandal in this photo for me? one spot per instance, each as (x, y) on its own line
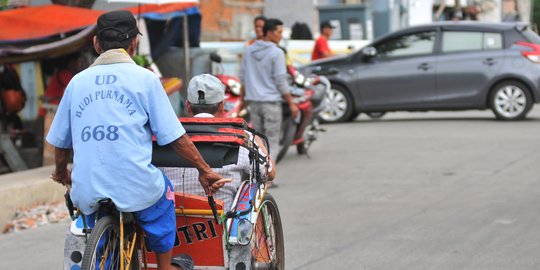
(184, 261)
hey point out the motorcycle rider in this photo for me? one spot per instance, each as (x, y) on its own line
(264, 77)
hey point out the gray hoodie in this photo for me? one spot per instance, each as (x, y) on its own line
(263, 72)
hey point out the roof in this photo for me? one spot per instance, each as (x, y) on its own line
(43, 21)
(53, 30)
(453, 25)
(38, 22)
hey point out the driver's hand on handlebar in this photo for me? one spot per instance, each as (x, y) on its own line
(62, 177)
(294, 109)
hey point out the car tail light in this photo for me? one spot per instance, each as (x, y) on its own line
(533, 55)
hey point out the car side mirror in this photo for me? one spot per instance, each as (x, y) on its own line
(215, 57)
(369, 52)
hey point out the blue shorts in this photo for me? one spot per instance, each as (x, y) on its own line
(159, 221)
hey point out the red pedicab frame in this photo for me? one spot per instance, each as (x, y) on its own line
(226, 242)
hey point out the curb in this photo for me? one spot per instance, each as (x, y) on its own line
(26, 189)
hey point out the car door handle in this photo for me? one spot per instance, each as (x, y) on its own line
(489, 62)
(424, 66)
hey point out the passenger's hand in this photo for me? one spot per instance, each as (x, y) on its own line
(207, 179)
(62, 177)
(218, 184)
(294, 109)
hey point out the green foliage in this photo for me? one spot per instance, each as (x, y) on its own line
(536, 14)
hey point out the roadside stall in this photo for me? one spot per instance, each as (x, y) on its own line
(37, 37)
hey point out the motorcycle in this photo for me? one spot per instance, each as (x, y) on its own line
(309, 94)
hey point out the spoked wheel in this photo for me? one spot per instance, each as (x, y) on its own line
(103, 247)
(267, 247)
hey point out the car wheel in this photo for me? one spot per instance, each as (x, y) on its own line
(375, 115)
(339, 106)
(510, 100)
(354, 115)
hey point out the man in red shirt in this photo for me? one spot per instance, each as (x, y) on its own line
(322, 50)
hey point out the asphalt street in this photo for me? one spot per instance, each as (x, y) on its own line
(445, 191)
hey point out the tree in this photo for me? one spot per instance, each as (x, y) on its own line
(535, 14)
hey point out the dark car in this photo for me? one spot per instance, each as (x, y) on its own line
(441, 66)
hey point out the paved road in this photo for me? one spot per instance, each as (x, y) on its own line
(441, 191)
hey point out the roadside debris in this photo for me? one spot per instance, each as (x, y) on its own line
(33, 217)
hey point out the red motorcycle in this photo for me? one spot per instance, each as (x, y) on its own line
(309, 95)
(232, 91)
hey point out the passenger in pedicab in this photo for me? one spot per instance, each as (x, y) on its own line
(205, 99)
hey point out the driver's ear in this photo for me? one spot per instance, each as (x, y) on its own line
(97, 47)
(132, 49)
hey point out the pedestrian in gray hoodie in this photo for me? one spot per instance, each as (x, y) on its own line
(264, 78)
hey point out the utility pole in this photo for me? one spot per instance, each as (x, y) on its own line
(458, 14)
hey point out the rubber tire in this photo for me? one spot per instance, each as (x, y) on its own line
(102, 225)
(353, 117)
(528, 100)
(288, 129)
(349, 110)
(278, 243)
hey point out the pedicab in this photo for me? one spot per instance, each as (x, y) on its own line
(248, 236)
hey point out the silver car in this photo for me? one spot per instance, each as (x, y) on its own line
(441, 66)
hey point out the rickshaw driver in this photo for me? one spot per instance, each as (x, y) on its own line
(107, 116)
(205, 99)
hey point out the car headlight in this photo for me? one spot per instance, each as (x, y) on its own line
(234, 86)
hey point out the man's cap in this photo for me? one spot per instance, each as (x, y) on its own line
(326, 24)
(118, 25)
(205, 89)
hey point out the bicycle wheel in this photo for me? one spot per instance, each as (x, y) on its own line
(267, 247)
(103, 247)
